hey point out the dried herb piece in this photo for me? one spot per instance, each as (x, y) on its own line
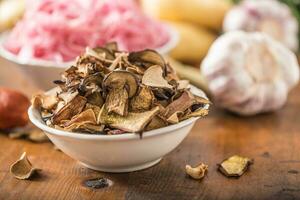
(235, 166)
(197, 172)
(22, 168)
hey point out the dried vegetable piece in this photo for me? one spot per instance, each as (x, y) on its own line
(142, 101)
(110, 92)
(197, 172)
(153, 77)
(22, 168)
(235, 166)
(72, 108)
(147, 58)
(133, 122)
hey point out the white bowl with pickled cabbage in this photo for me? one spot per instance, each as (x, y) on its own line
(43, 72)
(118, 153)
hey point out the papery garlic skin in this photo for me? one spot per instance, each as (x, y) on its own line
(269, 16)
(249, 73)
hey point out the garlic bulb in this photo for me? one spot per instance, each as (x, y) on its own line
(249, 73)
(268, 16)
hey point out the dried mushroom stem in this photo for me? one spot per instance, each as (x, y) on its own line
(22, 168)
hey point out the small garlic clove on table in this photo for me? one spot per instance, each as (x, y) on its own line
(249, 73)
(268, 16)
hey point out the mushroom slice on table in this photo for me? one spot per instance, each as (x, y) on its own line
(22, 168)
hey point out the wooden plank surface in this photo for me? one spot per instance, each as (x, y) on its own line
(273, 140)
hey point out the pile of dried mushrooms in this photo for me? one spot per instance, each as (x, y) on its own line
(112, 92)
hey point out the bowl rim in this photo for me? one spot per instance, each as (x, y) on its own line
(35, 118)
(32, 113)
(4, 53)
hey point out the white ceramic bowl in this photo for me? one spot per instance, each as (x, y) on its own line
(43, 72)
(117, 153)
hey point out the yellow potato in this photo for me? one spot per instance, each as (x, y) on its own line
(208, 13)
(10, 12)
(193, 44)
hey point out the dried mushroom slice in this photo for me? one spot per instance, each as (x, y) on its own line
(22, 168)
(201, 112)
(175, 117)
(235, 166)
(119, 78)
(197, 172)
(100, 53)
(120, 85)
(142, 101)
(89, 128)
(112, 46)
(183, 84)
(147, 58)
(44, 101)
(153, 77)
(108, 54)
(117, 61)
(73, 108)
(67, 96)
(95, 99)
(184, 102)
(96, 109)
(156, 122)
(91, 82)
(133, 122)
(87, 116)
(117, 101)
(201, 100)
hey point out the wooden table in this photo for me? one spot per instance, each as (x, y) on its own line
(273, 140)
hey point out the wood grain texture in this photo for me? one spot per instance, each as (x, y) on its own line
(273, 140)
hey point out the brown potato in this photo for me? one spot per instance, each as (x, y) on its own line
(13, 108)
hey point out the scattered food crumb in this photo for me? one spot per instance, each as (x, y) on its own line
(98, 183)
(197, 172)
